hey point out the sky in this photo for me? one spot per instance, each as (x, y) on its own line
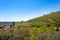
(18, 10)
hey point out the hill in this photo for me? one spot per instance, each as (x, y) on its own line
(52, 19)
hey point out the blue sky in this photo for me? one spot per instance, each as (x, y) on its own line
(17, 10)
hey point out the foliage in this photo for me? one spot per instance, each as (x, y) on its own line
(36, 29)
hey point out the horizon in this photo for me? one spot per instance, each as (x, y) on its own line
(18, 10)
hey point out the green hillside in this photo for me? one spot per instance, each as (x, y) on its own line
(46, 27)
(52, 19)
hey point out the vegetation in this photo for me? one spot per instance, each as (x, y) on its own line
(41, 28)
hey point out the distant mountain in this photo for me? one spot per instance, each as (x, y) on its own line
(9, 23)
(51, 19)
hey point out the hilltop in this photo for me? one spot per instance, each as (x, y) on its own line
(52, 19)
